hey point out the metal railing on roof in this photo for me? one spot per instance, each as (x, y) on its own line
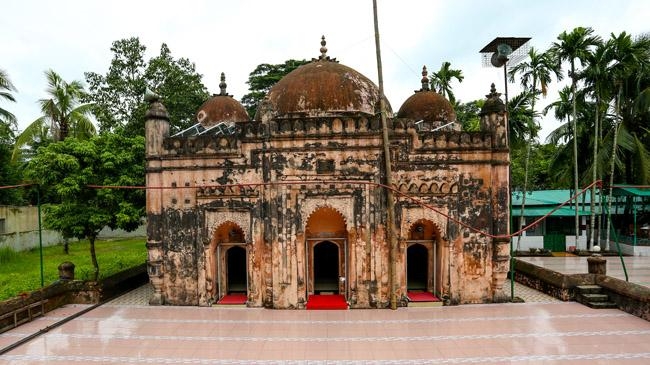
(222, 128)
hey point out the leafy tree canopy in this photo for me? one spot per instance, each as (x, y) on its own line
(67, 168)
(118, 95)
(468, 114)
(263, 78)
(62, 116)
(7, 119)
(441, 80)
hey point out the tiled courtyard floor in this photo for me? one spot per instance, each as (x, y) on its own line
(542, 330)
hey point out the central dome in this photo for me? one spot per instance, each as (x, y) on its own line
(322, 88)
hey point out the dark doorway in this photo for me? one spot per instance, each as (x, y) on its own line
(236, 269)
(326, 268)
(417, 267)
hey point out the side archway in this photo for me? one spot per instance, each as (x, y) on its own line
(422, 258)
(227, 261)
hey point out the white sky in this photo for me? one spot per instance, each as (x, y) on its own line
(72, 37)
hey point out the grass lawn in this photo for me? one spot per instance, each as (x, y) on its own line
(21, 271)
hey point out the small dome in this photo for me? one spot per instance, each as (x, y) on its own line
(427, 106)
(321, 88)
(221, 108)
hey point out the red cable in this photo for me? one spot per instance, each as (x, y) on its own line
(416, 200)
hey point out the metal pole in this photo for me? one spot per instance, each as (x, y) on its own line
(512, 251)
(505, 88)
(40, 233)
(390, 231)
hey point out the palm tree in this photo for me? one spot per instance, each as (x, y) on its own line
(629, 68)
(63, 116)
(7, 119)
(537, 70)
(571, 47)
(562, 136)
(441, 80)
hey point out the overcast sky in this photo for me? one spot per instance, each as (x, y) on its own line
(73, 37)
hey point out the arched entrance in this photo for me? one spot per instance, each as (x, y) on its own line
(229, 266)
(422, 258)
(326, 250)
(326, 268)
(236, 270)
(417, 267)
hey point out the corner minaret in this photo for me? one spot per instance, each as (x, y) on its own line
(156, 129)
(494, 118)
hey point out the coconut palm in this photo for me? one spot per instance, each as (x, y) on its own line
(572, 47)
(537, 70)
(441, 80)
(63, 115)
(7, 119)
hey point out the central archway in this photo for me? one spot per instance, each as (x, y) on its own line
(236, 270)
(326, 268)
(326, 250)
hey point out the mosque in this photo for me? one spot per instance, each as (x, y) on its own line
(293, 205)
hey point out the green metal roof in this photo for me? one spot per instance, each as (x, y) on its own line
(622, 190)
(565, 211)
(547, 197)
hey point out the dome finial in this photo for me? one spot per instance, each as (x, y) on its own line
(323, 49)
(425, 79)
(222, 85)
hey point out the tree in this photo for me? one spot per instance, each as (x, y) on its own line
(7, 119)
(67, 169)
(441, 80)
(630, 60)
(63, 115)
(562, 167)
(9, 174)
(468, 114)
(118, 95)
(263, 78)
(536, 70)
(520, 119)
(571, 47)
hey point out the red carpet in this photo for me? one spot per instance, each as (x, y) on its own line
(233, 299)
(422, 297)
(326, 302)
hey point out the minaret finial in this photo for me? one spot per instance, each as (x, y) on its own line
(222, 85)
(493, 92)
(323, 49)
(425, 79)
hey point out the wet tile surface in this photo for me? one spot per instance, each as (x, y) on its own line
(128, 331)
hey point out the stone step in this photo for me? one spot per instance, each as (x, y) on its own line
(595, 297)
(588, 289)
(425, 304)
(601, 305)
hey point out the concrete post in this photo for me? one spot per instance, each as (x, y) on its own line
(597, 265)
(66, 271)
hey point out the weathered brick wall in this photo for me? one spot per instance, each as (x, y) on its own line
(331, 161)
